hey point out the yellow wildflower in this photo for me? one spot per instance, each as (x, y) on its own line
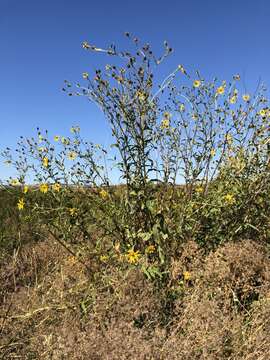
(85, 75)
(64, 141)
(72, 155)
(199, 189)
(229, 199)
(14, 182)
(45, 162)
(182, 107)
(220, 90)
(212, 152)
(233, 99)
(43, 188)
(132, 256)
(186, 275)
(75, 129)
(25, 189)
(246, 97)
(40, 138)
(21, 204)
(73, 211)
(150, 249)
(165, 124)
(196, 83)
(56, 138)
(262, 112)
(229, 139)
(104, 194)
(104, 258)
(56, 187)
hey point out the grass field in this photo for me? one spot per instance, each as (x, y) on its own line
(214, 304)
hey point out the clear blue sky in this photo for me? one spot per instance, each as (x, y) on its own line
(40, 46)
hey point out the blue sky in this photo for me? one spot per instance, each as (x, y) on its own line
(40, 46)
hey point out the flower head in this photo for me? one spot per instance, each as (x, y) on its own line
(132, 256)
(56, 138)
(182, 107)
(56, 187)
(246, 97)
(43, 188)
(229, 199)
(14, 182)
(72, 155)
(233, 99)
(186, 275)
(85, 75)
(45, 162)
(25, 189)
(165, 124)
(150, 249)
(196, 83)
(104, 194)
(21, 204)
(73, 211)
(220, 90)
(262, 112)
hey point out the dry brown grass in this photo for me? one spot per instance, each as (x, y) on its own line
(52, 309)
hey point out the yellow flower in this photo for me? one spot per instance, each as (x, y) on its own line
(14, 182)
(150, 249)
(25, 189)
(229, 139)
(165, 124)
(182, 107)
(229, 199)
(104, 258)
(141, 96)
(233, 99)
(186, 275)
(73, 211)
(40, 138)
(85, 75)
(74, 129)
(45, 162)
(262, 112)
(104, 194)
(64, 141)
(246, 97)
(220, 90)
(56, 138)
(43, 188)
(199, 189)
(196, 83)
(21, 204)
(56, 187)
(212, 152)
(132, 256)
(72, 155)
